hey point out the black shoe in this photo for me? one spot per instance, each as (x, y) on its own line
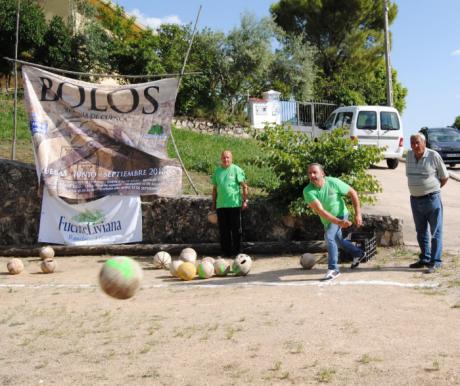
(419, 264)
(357, 260)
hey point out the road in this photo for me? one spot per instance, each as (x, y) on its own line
(394, 200)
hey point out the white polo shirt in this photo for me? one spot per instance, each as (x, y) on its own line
(424, 175)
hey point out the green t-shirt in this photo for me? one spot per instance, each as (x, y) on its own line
(330, 196)
(227, 181)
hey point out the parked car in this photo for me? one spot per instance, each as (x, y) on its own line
(372, 125)
(446, 141)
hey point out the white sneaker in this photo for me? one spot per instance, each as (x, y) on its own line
(331, 275)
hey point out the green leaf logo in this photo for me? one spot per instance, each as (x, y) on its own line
(156, 130)
(90, 217)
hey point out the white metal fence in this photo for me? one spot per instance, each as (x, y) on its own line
(309, 114)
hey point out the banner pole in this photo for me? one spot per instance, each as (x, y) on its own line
(15, 108)
(177, 91)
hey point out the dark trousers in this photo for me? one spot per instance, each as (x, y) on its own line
(229, 220)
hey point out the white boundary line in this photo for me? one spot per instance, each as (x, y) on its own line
(243, 284)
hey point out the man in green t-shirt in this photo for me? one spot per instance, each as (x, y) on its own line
(324, 195)
(229, 196)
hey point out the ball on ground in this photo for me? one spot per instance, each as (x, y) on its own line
(186, 271)
(212, 217)
(48, 266)
(46, 252)
(205, 270)
(221, 267)
(307, 260)
(15, 266)
(174, 266)
(242, 265)
(209, 258)
(188, 255)
(120, 277)
(162, 260)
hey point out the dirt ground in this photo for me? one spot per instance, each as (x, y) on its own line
(379, 324)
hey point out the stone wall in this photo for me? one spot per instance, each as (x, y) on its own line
(166, 220)
(206, 127)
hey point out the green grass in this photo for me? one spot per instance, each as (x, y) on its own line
(201, 153)
(7, 116)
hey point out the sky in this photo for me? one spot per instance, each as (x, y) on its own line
(425, 47)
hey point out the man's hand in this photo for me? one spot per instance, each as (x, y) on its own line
(357, 206)
(344, 223)
(358, 220)
(244, 206)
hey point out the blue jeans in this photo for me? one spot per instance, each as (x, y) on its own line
(334, 240)
(428, 211)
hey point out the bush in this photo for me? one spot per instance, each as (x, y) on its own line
(288, 154)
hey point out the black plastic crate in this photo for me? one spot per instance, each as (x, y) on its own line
(364, 240)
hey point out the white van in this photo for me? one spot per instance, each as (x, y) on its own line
(372, 125)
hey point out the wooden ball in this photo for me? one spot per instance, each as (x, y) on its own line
(46, 252)
(186, 271)
(174, 266)
(162, 260)
(188, 255)
(15, 266)
(120, 277)
(307, 260)
(48, 266)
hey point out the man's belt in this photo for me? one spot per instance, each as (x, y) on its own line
(426, 195)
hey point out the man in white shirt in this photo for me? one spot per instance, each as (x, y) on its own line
(426, 175)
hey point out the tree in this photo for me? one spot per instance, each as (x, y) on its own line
(200, 93)
(457, 122)
(32, 27)
(293, 71)
(342, 31)
(56, 49)
(137, 56)
(91, 45)
(132, 51)
(351, 88)
(349, 41)
(173, 42)
(249, 56)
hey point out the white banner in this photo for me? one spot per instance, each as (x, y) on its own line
(109, 220)
(92, 140)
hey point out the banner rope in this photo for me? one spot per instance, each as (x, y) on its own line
(97, 75)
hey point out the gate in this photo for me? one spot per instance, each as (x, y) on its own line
(308, 114)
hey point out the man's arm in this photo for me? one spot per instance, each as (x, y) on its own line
(244, 187)
(319, 210)
(356, 205)
(441, 170)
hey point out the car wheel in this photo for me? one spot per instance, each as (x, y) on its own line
(452, 166)
(392, 163)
